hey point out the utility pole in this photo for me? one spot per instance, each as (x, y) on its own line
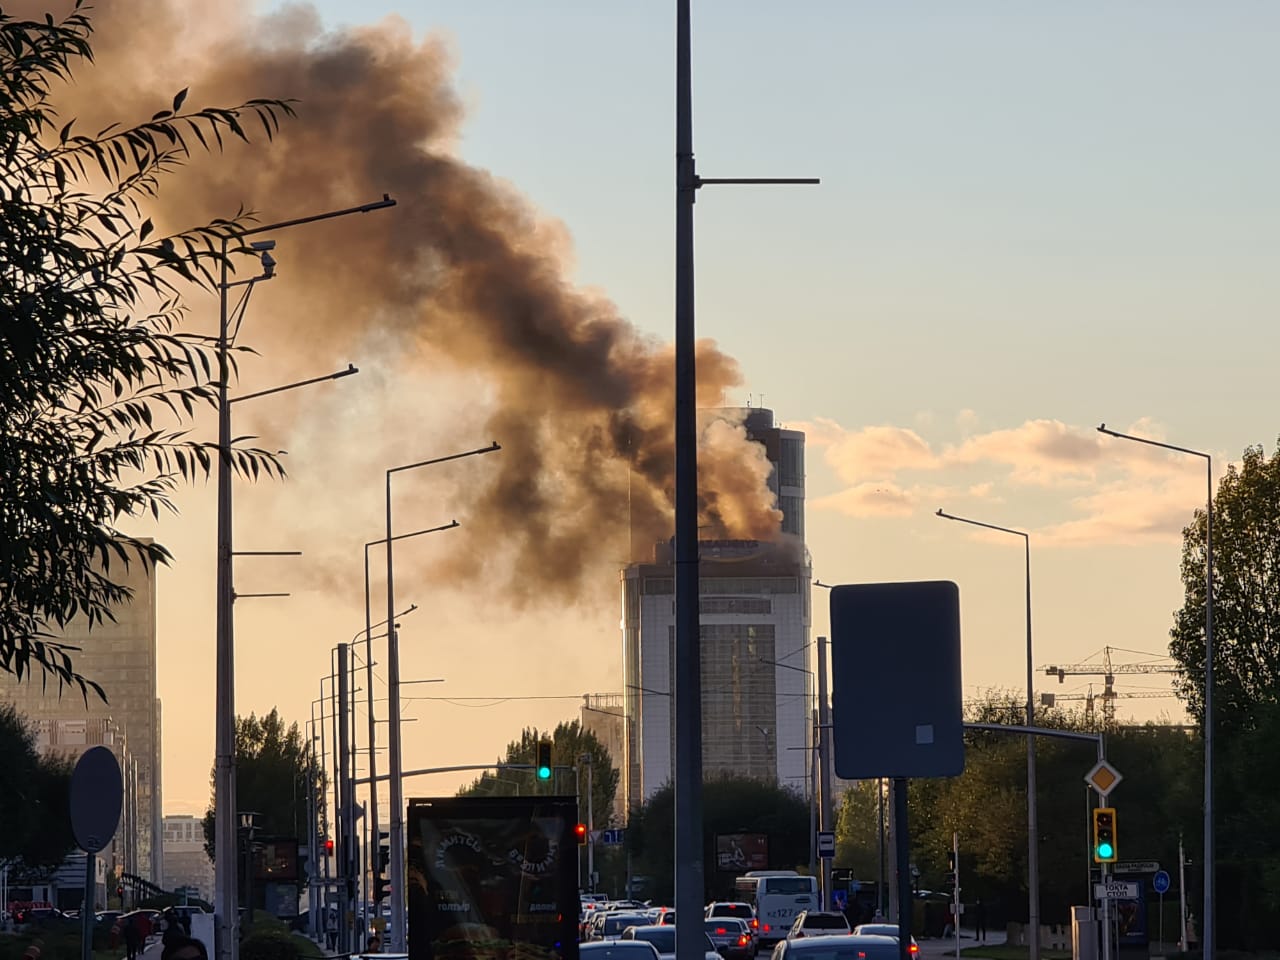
(824, 756)
(346, 833)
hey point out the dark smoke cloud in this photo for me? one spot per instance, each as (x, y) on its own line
(462, 272)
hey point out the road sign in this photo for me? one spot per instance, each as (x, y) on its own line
(1116, 890)
(826, 845)
(907, 637)
(613, 838)
(1160, 882)
(1103, 778)
(1135, 866)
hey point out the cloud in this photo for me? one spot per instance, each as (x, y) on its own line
(870, 500)
(1091, 488)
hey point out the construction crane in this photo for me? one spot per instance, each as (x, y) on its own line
(1108, 700)
(1108, 671)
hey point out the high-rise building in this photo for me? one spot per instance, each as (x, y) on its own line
(119, 655)
(186, 862)
(602, 714)
(755, 615)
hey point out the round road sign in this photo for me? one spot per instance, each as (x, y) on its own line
(1160, 882)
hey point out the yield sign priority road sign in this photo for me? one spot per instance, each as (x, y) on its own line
(1103, 778)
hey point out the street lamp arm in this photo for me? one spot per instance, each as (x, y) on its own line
(417, 533)
(386, 201)
(453, 456)
(1102, 428)
(349, 371)
(978, 523)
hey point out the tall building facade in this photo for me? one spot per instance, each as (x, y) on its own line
(186, 863)
(602, 714)
(119, 655)
(755, 615)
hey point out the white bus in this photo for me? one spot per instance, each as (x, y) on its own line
(777, 896)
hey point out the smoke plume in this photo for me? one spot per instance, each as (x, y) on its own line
(462, 272)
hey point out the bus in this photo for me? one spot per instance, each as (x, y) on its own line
(778, 896)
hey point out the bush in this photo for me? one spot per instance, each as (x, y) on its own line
(269, 945)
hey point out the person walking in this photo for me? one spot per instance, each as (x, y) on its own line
(132, 938)
(980, 921)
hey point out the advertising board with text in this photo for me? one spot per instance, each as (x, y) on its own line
(493, 878)
(740, 852)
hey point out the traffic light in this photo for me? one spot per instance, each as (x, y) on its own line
(328, 846)
(384, 857)
(580, 831)
(1105, 846)
(543, 761)
(381, 886)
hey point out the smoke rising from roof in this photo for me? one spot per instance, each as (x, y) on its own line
(462, 272)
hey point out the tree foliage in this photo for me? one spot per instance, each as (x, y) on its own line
(987, 806)
(274, 769)
(729, 805)
(1246, 596)
(92, 362)
(569, 741)
(35, 799)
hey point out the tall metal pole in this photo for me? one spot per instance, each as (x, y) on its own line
(1208, 945)
(880, 887)
(902, 844)
(1207, 929)
(393, 749)
(824, 753)
(690, 884)
(346, 835)
(1033, 823)
(374, 844)
(591, 826)
(226, 920)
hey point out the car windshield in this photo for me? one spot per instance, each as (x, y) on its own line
(615, 924)
(880, 929)
(841, 948)
(664, 938)
(826, 921)
(731, 910)
(618, 950)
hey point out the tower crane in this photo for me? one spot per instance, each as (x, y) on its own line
(1108, 671)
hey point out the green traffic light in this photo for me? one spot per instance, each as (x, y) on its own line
(1105, 851)
(544, 773)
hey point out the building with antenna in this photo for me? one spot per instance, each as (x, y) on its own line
(755, 608)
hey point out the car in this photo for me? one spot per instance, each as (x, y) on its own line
(666, 918)
(732, 937)
(612, 925)
(664, 940)
(819, 923)
(884, 930)
(852, 947)
(731, 908)
(617, 950)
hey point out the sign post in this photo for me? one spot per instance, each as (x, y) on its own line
(1160, 883)
(97, 794)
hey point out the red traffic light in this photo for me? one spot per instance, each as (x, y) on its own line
(328, 845)
(580, 831)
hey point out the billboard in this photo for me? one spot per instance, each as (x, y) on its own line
(740, 852)
(493, 878)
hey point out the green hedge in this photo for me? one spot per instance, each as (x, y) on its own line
(269, 945)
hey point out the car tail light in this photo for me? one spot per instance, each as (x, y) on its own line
(766, 928)
(743, 940)
(720, 931)
(755, 924)
(862, 955)
(913, 949)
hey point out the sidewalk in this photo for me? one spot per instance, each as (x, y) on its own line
(940, 947)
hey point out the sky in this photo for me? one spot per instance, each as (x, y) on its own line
(1032, 218)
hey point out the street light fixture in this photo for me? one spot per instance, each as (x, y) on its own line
(1208, 932)
(1033, 829)
(396, 831)
(226, 940)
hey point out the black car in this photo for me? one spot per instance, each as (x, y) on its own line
(732, 938)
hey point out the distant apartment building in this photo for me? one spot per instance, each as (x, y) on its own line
(186, 864)
(602, 714)
(121, 657)
(755, 615)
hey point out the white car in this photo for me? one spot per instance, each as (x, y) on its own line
(663, 939)
(884, 930)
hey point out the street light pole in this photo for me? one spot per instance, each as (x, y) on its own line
(371, 848)
(226, 921)
(1033, 826)
(394, 760)
(1207, 933)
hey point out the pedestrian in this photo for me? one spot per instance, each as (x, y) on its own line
(173, 929)
(132, 938)
(980, 921)
(184, 948)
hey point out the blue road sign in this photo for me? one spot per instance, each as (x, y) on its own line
(1160, 882)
